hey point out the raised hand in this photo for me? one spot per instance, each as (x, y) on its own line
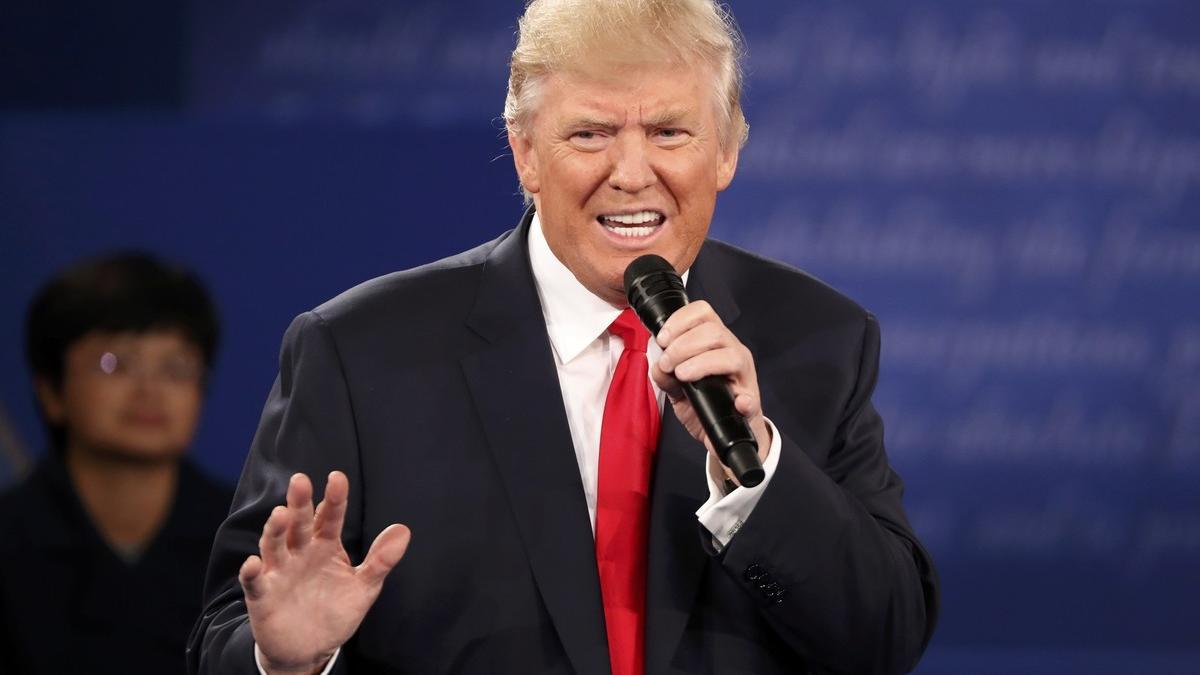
(304, 597)
(696, 344)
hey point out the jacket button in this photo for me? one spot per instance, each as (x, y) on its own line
(774, 593)
(754, 572)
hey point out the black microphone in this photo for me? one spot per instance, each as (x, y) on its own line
(655, 291)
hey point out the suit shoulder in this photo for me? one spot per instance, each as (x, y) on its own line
(414, 293)
(765, 283)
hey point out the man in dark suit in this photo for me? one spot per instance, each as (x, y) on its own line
(473, 399)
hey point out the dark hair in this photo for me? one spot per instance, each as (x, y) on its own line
(124, 292)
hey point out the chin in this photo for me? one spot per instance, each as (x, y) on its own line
(614, 288)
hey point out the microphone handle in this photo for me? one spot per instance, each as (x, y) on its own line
(655, 297)
(729, 433)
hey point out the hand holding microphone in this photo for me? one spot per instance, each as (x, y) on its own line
(704, 362)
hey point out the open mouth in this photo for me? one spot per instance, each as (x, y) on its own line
(632, 225)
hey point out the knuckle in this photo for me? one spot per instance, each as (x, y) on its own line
(745, 357)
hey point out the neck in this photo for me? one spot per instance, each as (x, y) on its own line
(127, 501)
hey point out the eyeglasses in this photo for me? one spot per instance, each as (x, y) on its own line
(177, 370)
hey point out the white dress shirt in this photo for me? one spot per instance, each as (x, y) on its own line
(586, 356)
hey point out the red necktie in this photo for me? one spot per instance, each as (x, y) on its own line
(628, 438)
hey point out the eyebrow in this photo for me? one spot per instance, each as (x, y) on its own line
(665, 118)
(591, 122)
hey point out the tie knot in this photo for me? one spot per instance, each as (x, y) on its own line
(630, 329)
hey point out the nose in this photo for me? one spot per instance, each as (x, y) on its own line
(631, 167)
(147, 381)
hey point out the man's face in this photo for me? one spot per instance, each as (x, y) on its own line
(128, 396)
(624, 164)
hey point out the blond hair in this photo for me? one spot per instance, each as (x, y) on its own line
(556, 35)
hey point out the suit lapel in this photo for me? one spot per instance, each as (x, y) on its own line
(709, 281)
(515, 386)
(676, 559)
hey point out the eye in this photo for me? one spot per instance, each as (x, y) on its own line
(588, 139)
(671, 136)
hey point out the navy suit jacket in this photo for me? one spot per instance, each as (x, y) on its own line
(435, 390)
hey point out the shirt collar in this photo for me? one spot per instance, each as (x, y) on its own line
(574, 316)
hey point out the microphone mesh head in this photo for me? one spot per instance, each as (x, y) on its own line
(643, 265)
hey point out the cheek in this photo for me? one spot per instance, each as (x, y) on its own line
(690, 176)
(578, 179)
(91, 415)
(91, 406)
(185, 409)
(695, 192)
(696, 196)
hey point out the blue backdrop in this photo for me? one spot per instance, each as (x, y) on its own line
(1009, 185)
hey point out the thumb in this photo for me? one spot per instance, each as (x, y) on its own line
(387, 550)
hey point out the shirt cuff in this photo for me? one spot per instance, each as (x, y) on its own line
(263, 671)
(724, 514)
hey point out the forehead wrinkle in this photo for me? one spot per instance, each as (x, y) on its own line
(592, 113)
(665, 117)
(590, 120)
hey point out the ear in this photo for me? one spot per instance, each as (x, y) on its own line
(727, 166)
(525, 159)
(51, 400)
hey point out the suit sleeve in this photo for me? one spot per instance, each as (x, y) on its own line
(828, 553)
(307, 426)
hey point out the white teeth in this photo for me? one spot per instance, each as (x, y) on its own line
(633, 218)
(630, 231)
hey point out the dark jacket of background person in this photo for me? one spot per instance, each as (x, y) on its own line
(435, 391)
(70, 604)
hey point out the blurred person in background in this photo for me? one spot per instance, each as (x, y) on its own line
(103, 545)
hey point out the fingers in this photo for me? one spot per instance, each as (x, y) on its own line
(332, 511)
(666, 382)
(698, 344)
(272, 545)
(696, 340)
(300, 508)
(747, 405)
(249, 577)
(387, 550)
(291, 528)
(684, 319)
(727, 361)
